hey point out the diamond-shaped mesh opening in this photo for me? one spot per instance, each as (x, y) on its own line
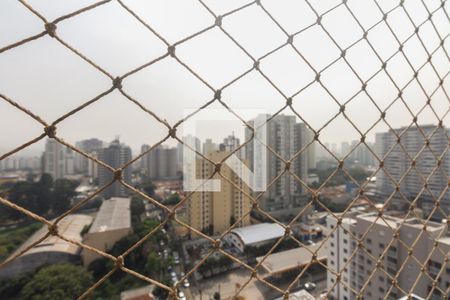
(356, 203)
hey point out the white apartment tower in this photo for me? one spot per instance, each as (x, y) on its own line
(160, 163)
(359, 263)
(83, 165)
(58, 160)
(115, 155)
(425, 164)
(285, 137)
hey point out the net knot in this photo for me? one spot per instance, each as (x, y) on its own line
(218, 94)
(118, 174)
(218, 21)
(117, 83)
(171, 50)
(173, 132)
(50, 131)
(119, 262)
(53, 229)
(256, 65)
(287, 165)
(51, 29)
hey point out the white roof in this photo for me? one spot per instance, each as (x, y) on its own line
(300, 295)
(259, 232)
(69, 227)
(292, 259)
(113, 214)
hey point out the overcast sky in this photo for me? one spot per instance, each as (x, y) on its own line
(50, 80)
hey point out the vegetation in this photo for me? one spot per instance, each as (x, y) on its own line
(255, 251)
(44, 197)
(58, 282)
(11, 239)
(339, 178)
(213, 265)
(144, 259)
(69, 281)
(172, 200)
(331, 205)
(10, 288)
(147, 186)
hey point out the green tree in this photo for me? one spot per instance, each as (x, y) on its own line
(63, 191)
(137, 207)
(42, 190)
(21, 194)
(134, 258)
(145, 227)
(10, 288)
(147, 186)
(161, 293)
(216, 296)
(154, 264)
(100, 267)
(58, 282)
(172, 199)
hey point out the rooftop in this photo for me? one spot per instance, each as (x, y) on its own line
(259, 232)
(70, 227)
(291, 259)
(396, 221)
(300, 295)
(142, 293)
(113, 214)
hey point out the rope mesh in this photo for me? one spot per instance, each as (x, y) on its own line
(49, 129)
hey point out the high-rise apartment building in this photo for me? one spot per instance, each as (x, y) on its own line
(214, 212)
(361, 154)
(14, 163)
(82, 163)
(361, 270)
(191, 141)
(160, 163)
(285, 137)
(58, 160)
(209, 146)
(115, 155)
(231, 143)
(417, 156)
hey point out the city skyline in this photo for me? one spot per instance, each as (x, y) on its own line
(322, 133)
(167, 89)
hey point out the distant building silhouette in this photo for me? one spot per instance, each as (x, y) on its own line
(57, 160)
(115, 155)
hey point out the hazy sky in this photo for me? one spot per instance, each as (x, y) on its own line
(50, 80)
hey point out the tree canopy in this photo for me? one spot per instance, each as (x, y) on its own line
(62, 282)
(44, 197)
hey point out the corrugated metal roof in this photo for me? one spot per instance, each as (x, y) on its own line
(300, 295)
(113, 214)
(259, 232)
(70, 227)
(292, 259)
